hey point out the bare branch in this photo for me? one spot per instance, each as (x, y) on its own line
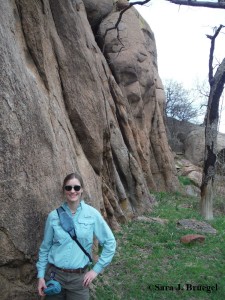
(203, 105)
(209, 4)
(120, 17)
(213, 39)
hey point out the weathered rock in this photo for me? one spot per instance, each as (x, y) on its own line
(194, 173)
(189, 139)
(195, 145)
(97, 10)
(62, 109)
(198, 226)
(191, 190)
(121, 4)
(177, 131)
(192, 238)
(186, 168)
(132, 60)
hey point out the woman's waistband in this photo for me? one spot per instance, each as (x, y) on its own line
(78, 271)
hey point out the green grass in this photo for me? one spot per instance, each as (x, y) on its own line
(150, 260)
(184, 180)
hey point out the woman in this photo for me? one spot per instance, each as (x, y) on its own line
(61, 257)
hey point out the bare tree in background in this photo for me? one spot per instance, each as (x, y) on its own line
(216, 82)
(179, 101)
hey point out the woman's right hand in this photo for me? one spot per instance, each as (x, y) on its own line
(41, 286)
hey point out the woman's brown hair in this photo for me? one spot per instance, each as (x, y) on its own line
(72, 176)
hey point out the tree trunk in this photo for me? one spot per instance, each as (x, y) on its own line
(212, 117)
(208, 175)
(207, 195)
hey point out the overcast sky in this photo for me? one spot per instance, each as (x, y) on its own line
(182, 45)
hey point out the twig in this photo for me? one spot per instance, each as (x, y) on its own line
(119, 19)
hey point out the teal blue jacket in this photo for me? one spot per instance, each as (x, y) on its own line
(59, 249)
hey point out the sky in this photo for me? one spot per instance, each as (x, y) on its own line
(182, 45)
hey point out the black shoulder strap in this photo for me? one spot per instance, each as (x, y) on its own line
(81, 247)
(59, 210)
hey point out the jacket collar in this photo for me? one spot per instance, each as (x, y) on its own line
(80, 206)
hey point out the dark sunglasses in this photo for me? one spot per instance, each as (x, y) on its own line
(69, 188)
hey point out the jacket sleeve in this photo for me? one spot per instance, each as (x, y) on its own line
(107, 240)
(45, 248)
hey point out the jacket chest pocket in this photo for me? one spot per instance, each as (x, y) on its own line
(85, 228)
(60, 235)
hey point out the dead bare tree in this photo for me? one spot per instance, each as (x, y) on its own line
(216, 83)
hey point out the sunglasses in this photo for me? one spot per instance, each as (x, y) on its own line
(69, 188)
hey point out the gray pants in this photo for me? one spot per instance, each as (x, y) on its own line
(72, 285)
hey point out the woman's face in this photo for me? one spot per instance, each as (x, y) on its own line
(73, 195)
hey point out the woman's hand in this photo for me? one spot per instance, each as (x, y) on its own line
(89, 277)
(41, 286)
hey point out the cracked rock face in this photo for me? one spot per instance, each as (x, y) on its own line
(66, 107)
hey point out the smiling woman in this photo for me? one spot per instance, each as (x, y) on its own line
(64, 258)
(73, 191)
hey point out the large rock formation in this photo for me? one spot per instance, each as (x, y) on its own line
(195, 145)
(65, 107)
(189, 139)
